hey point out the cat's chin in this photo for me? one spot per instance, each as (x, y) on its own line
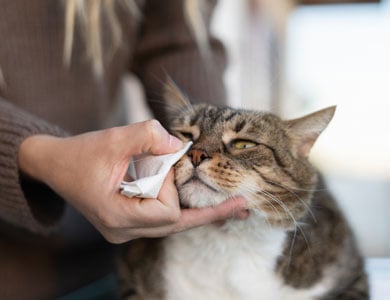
(197, 195)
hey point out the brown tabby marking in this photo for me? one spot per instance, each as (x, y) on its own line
(263, 158)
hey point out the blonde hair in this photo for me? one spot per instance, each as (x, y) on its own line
(2, 80)
(87, 14)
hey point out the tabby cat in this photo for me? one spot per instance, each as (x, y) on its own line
(295, 244)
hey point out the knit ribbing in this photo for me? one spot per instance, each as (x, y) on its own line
(18, 206)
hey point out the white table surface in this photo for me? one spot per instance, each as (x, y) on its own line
(379, 275)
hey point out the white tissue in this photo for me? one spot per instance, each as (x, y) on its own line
(150, 171)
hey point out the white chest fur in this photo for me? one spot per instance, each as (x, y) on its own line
(214, 263)
(236, 262)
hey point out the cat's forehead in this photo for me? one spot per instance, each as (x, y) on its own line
(211, 118)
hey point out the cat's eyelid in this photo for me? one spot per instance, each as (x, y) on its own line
(187, 132)
(235, 144)
(187, 135)
(244, 140)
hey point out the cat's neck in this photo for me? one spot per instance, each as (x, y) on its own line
(252, 234)
(256, 223)
(254, 228)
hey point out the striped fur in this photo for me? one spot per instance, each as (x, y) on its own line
(296, 243)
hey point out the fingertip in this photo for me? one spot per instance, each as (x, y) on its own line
(174, 143)
(242, 214)
(161, 141)
(234, 207)
(236, 202)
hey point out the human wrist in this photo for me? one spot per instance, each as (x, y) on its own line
(35, 156)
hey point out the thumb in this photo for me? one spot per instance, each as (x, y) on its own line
(155, 138)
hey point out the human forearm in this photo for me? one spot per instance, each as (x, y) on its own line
(17, 203)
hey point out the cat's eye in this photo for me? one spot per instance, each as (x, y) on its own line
(187, 135)
(242, 144)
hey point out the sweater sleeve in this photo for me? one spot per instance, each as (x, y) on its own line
(24, 202)
(166, 46)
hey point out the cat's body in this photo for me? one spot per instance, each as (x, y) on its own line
(295, 245)
(249, 260)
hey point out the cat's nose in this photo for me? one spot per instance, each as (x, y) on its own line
(198, 156)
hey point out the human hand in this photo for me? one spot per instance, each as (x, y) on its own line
(86, 170)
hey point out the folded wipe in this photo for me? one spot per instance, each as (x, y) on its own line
(150, 171)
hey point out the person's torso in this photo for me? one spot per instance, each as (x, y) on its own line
(32, 35)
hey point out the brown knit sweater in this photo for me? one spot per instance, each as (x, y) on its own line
(40, 95)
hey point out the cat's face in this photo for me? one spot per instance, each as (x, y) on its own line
(252, 154)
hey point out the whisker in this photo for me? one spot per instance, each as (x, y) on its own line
(293, 188)
(297, 197)
(297, 226)
(275, 199)
(171, 106)
(254, 191)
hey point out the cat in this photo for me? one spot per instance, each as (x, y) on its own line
(296, 243)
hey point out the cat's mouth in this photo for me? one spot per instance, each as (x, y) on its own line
(195, 179)
(197, 191)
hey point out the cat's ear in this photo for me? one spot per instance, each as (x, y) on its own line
(305, 131)
(174, 98)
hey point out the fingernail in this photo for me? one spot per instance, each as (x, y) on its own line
(243, 214)
(175, 143)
